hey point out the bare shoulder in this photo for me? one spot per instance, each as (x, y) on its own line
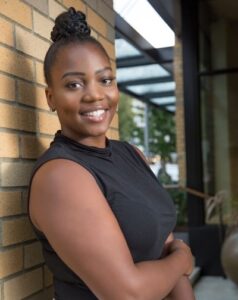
(58, 183)
(61, 172)
(51, 181)
(54, 169)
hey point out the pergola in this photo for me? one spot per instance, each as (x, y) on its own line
(144, 72)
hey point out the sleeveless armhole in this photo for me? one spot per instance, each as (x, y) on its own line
(140, 159)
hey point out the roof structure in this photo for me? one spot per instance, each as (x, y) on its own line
(144, 72)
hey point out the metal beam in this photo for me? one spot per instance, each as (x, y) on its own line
(162, 55)
(192, 106)
(219, 72)
(165, 9)
(143, 99)
(167, 104)
(138, 60)
(147, 81)
(159, 94)
(125, 31)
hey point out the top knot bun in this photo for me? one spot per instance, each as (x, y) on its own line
(70, 23)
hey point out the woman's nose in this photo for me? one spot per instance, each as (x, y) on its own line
(93, 92)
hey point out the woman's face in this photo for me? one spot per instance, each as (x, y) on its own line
(83, 92)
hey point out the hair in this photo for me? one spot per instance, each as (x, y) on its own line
(70, 28)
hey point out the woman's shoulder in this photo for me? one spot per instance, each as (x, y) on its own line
(54, 151)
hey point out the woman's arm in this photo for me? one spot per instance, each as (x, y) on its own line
(68, 206)
(183, 289)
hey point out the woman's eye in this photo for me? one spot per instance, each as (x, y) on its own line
(73, 85)
(107, 81)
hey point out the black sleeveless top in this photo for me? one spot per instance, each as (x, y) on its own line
(143, 209)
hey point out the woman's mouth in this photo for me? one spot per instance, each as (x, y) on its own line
(95, 115)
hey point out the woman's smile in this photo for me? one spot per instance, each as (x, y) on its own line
(95, 115)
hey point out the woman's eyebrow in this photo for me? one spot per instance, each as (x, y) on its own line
(72, 74)
(83, 74)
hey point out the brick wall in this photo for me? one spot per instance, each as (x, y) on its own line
(26, 129)
(180, 133)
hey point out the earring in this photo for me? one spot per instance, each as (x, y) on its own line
(52, 109)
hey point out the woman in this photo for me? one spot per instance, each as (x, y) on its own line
(98, 210)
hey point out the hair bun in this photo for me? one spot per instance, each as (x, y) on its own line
(70, 23)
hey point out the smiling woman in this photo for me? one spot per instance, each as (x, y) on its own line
(95, 205)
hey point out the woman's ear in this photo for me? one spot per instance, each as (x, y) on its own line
(49, 97)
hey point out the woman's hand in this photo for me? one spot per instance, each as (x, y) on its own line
(183, 289)
(179, 245)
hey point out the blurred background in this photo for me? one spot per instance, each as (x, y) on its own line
(177, 70)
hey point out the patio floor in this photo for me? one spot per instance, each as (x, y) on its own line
(215, 288)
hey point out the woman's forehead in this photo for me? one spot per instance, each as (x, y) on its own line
(84, 50)
(85, 55)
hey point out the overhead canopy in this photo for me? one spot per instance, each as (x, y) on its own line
(144, 72)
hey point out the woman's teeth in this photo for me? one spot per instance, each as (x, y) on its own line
(96, 113)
